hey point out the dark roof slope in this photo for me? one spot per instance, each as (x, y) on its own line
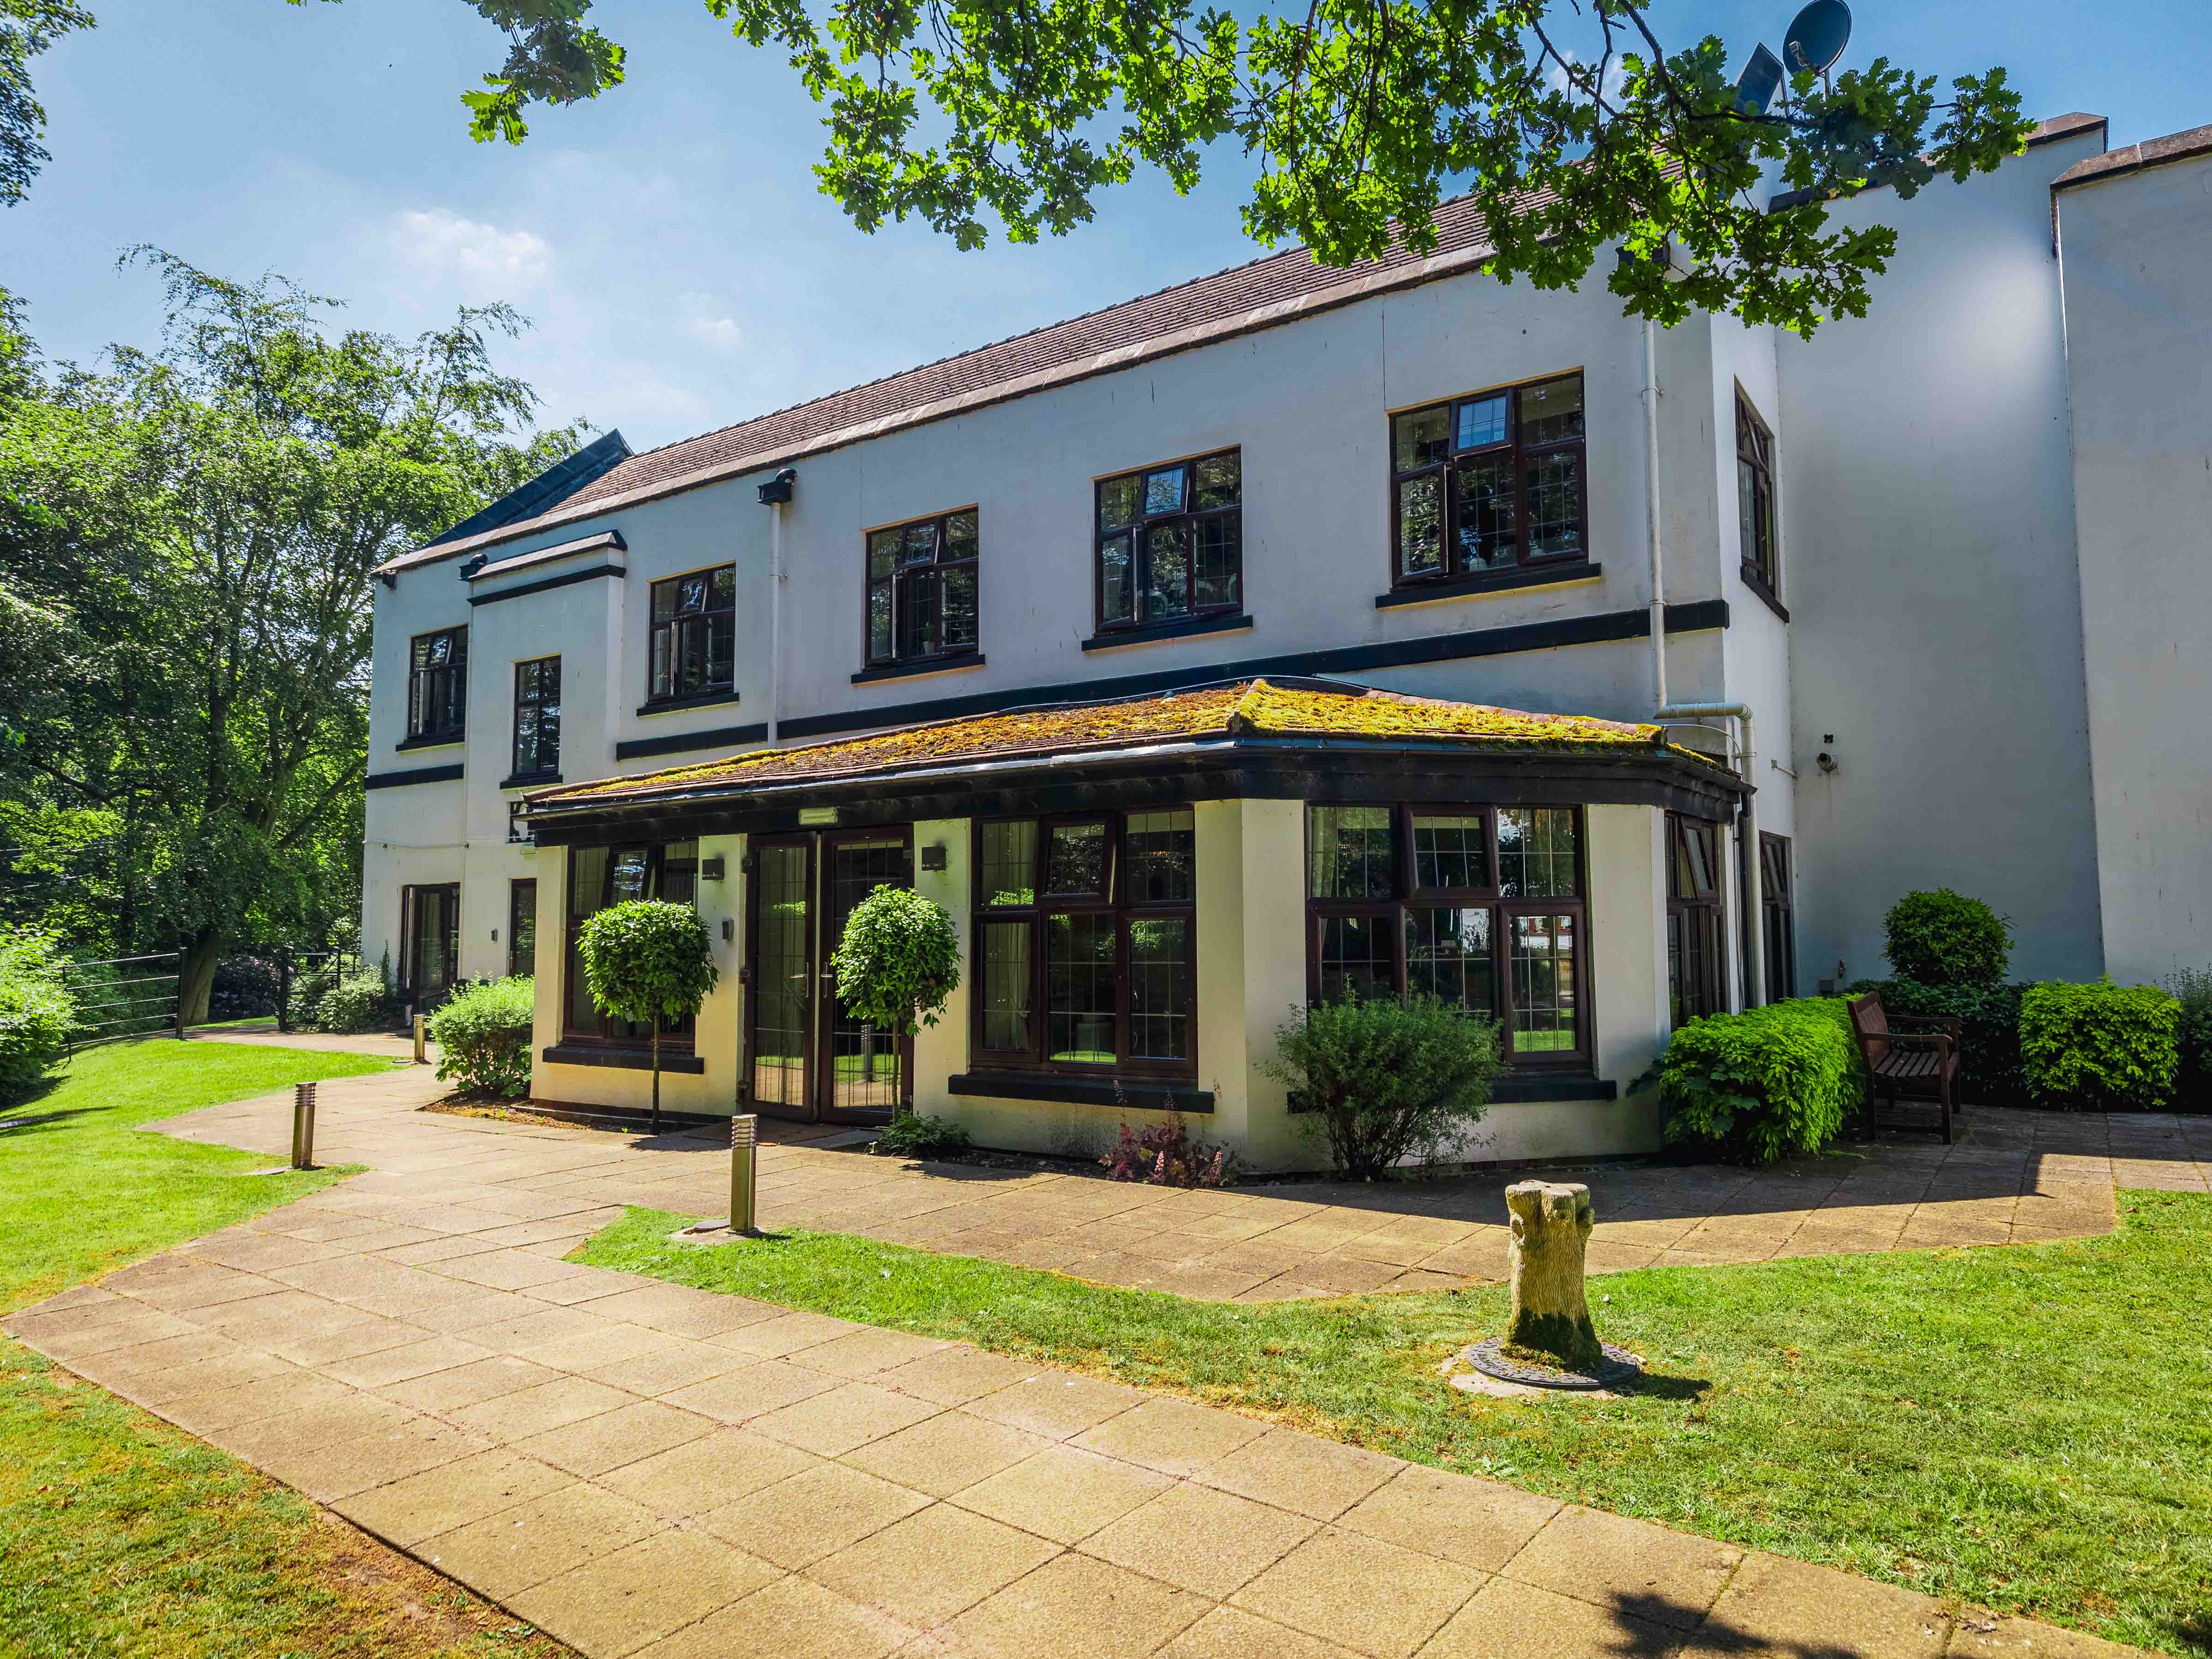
(2133, 158)
(556, 484)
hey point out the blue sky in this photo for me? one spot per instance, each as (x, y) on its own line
(668, 240)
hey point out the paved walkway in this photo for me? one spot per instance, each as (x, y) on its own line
(2013, 1177)
(390, 1045)
(644, 1468)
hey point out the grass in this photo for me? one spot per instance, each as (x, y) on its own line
(2022, 1427)
(119, 1534)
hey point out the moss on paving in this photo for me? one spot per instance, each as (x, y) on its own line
(2023, 1427)
(119, 1532)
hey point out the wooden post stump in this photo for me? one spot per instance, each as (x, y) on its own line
(1550, 1316)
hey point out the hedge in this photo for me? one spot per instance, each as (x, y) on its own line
(1760, 1085)
(2101, 1047)
(482, 1034)
(2192, 1082)
(36, 1013)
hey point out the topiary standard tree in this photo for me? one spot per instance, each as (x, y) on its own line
(648, 961)
(1944, 938)
(898, 960)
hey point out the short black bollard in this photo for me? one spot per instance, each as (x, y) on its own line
(303, 1126)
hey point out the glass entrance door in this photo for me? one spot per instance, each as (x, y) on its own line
(430, 942)
(864, 1069)
(781, 1000)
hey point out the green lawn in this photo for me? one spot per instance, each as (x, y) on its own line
(118, 1534)
(2026, 1427)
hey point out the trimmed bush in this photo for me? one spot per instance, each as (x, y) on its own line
(482, 1034)
(1383, 1081)
(356, 1003)
(1944, 938)
(911, 1134)
(2193, 1080)
(37, 1015)
(1760, 1085)
(2101, 1047)
(1988, 1031)
(897, 961)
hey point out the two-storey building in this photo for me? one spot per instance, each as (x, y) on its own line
(1174, 650)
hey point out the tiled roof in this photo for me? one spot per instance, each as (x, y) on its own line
(1243, 708)
(2133, 158)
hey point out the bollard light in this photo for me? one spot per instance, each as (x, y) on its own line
(303, 1126)
(422, 1052)
(745, 1138)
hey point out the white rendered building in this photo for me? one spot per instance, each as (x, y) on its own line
(1948, 565)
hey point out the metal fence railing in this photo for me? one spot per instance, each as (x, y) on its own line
(120, 997)
(295, 967)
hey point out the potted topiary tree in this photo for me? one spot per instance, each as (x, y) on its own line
(898, 962)
(648, 961)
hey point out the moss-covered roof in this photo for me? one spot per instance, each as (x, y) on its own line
(1245, 708)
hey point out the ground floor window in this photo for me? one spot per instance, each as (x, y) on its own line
(1482, 906)
(1777, 904)
(1695, 972)
(600, 877)
(1084, 952)
(430, 942)
(522, 926)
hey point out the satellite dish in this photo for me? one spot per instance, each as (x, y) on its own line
(1756, 87)
(1817, 36)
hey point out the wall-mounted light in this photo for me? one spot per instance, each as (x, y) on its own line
(494, 936)
(713, 869)
(777, 492)
(933, 856)
(729, 930)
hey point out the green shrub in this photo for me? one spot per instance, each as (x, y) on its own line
(482, 1034)
(2192, 1079)
(2101, 1047)
(1988, 1031)
(910, 1134)
(356, 1003)
(1944, 938)
(1164, 1155)
(1760, 1085)
(898, 960)
(1382, 1081)
(37, 1015)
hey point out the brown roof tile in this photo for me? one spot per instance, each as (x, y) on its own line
(2133, 158)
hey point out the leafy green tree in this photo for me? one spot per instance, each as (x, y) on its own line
(649, 962)
(28, 27)
(1574, 126)
(897, 961)
(186, 536)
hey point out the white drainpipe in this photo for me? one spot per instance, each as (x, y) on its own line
(1740, 711)
(775, 495)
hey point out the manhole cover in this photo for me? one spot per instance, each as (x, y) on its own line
(1618, 1368)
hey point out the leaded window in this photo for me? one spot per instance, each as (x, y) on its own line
(598, 879)
(438, 686)
(1696, 967)
(1754, 497)
(1171, 543)
(692, 650)
(1489, 482)
(537, 718)
(1481, 906)
(922, 589)
(1084, 928)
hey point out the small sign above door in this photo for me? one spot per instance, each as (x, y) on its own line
(816, 817)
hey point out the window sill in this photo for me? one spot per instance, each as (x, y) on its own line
(1175, 631)
(1131, 1094)
(530, 781)
(431, 740)
(628, 1060)
(902, 671)
(1491, 581)
(1524, 1088)
(1757, 584)
(697, 700)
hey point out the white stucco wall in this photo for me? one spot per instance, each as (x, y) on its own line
(2135, 248)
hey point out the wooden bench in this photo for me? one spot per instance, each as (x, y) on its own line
(1908, 1065)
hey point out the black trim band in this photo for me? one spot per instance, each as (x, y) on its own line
(1173, 630)
(1513, 1089)
(696, 700)
(1602, 627)
(1490, 581)
(628, 1060)
(431, 740)
(546, 583)
(417, 775)
(734, 736)
(899, 670)
(531, 780)
(1131, 1094)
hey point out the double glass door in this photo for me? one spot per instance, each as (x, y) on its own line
(807, 1056)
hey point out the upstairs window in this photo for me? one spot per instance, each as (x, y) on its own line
(438, 686)
(922, 590)
(538, 718)
(1488, 483)
(1754, 498)
(695, 634)
(1171, 543)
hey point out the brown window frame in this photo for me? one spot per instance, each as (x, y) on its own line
(1112, 900)
(1696, 926)
(659, 869)
(519, 963)
(933, 572)
(410, 922)
(438, 694)
(1453, 566)
(1407, 895)
(1777, 901)
(1139, 531)
(530, 692)
(1754, 488)
(679, 628)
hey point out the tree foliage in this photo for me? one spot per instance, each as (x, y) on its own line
(28, 27)
(1382, 1081)
(649, 962)
(186, 536)
(897, 960)
(1942, 937)
(1573, 125)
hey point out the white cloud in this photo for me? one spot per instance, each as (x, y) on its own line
(722, 332)
(444, 244)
